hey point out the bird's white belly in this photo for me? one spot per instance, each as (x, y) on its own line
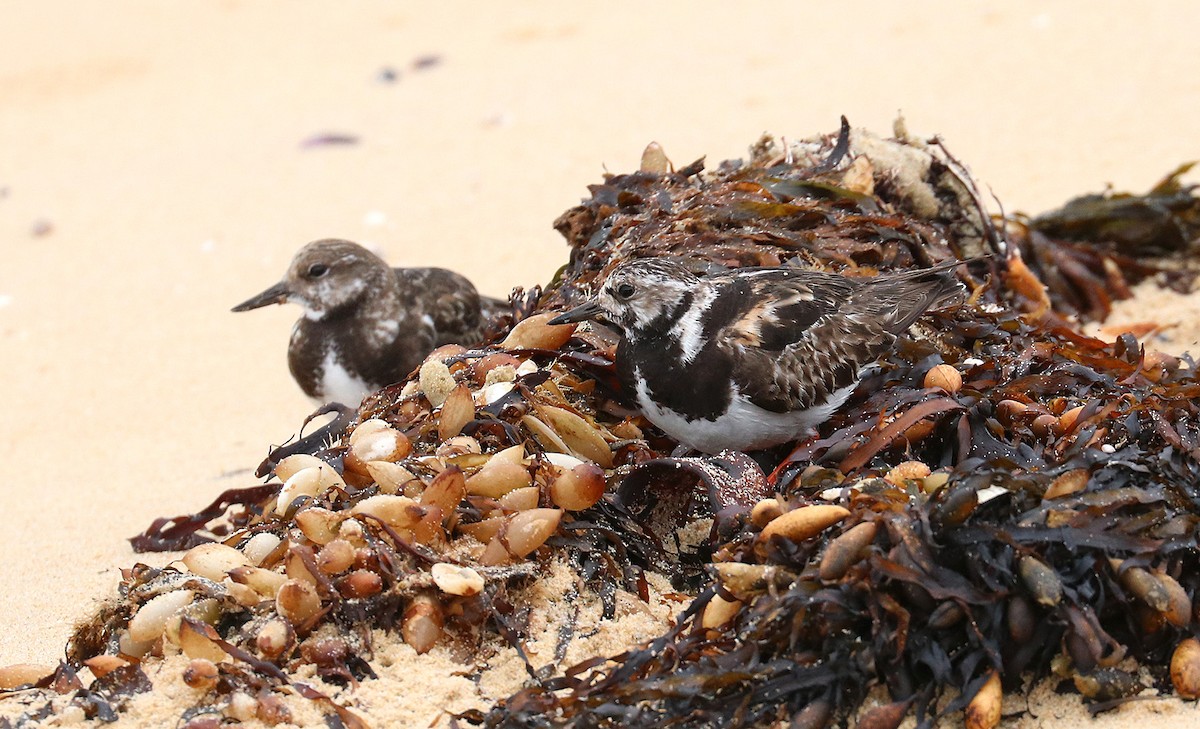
(338, 385)
(744, 427)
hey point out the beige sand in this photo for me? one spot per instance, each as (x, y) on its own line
(151, 176)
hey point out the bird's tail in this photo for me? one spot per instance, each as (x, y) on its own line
(903, 297)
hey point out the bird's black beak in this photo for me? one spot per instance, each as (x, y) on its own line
(277, 294)
(590, 310)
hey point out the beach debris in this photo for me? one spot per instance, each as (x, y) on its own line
(1003, 496)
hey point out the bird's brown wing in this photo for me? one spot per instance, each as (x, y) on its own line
(449, 300)
(779, 336)
(813, 332)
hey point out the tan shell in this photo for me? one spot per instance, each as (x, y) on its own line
(1185, 668)
(906, 471)
(1067, 483)
(500, 475)
(367, 427)
(583, 439)
(765, 511)
(297, 601)
(309, 481)
(984, 710)
(718, 612)
(803, 523)
(20, 674)
(523, 533)
(422, 623)
(846, 550)
(214, 560)
(201, 674)
(395, 511)
(944, 376)
(264, 582)
(151, 618)
(104, 664)
(359, 584)
(260, 546)
(578, 488)
(274, 637)
(195, 644)
(521, 499)
(446, 491)
(535, 333)
(483, 531)
(391, 477)
(453, 579)
(457, 411)
(319, 525)
(381, 444)
(335, 557)
(655, 162)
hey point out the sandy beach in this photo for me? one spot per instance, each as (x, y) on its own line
(161, 163)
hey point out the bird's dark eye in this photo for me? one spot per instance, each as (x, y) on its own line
(317, 270)
(625, 290)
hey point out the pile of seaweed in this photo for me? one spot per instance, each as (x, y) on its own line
(1004, 497)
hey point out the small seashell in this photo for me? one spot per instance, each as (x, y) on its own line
(654, 160)
(335, 557)
(483, 531)
(453, 579)
(581, 438)
(521, 499)
(242, 594)
(151, 618)
(1107, 684)
(747, 580)
(262, 581)
(764, 511)
(495, 391)
(1185, 668)
(366, 427)
(260, 546)
(718, 612)
(485, 366)
(359, 584)
(197, 644)
(803, 523)
(906, 471)
(391, 477)
(241, 707)
(287, 467)
(381, 444)
(319, 525)
(395, 511)
(562, 460)
(1041, 581)
(446, 491)
(845, 550)
(1007, 411)
(500, 475)
(457, 410)
(983, 712)
(297, 601)
(274, 637)
(436, 381)
(456, 446)
(295, 568)
(944, 376)
(545, 435)
(422, 623)
(272, 711)
(21, 674)
(305, 482)
(1043, 425)
(104, 664)
(578, 488)
(1067, 483)
(527, 367)
(535, 333)
(524, 532)
(1066, 421)
(213, 560)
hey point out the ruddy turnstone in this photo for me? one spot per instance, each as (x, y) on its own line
(751, 358)
(365, 324)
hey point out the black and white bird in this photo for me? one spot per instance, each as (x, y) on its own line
(750, 358)
(365, 324)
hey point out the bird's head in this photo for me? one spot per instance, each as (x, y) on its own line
(640, 295)
(325, 276)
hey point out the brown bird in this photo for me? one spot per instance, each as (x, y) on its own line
(367, 325)
(754, 357)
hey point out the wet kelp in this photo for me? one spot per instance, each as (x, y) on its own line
(1002, 497)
